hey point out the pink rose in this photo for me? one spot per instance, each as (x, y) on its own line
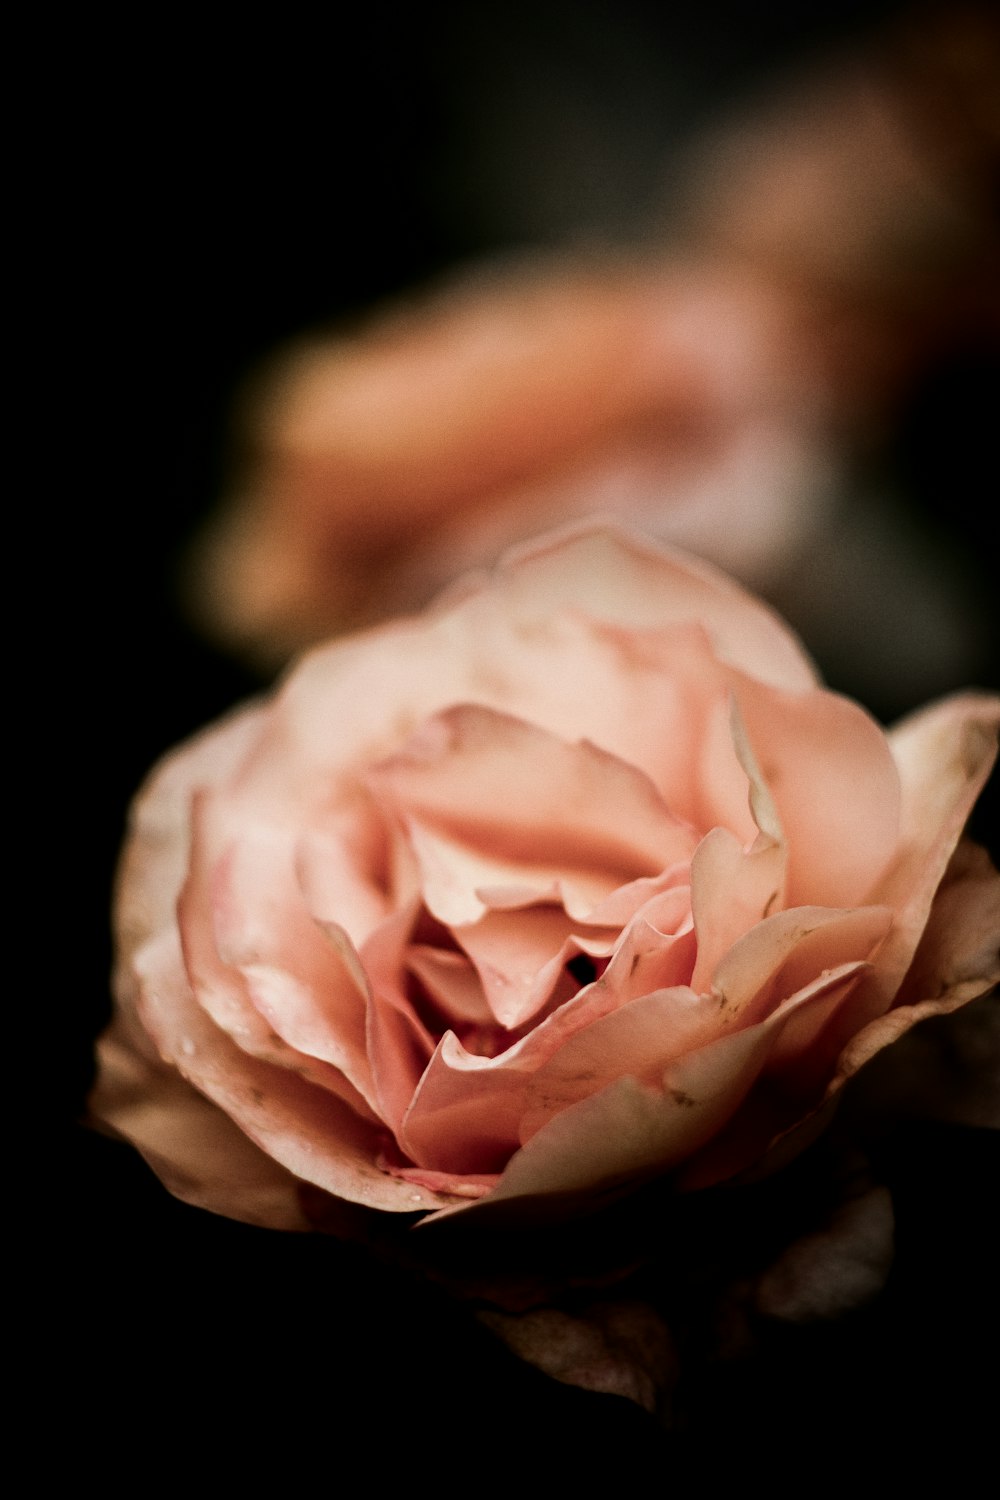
(577, 879)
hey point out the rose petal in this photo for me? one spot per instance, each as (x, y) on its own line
(464, 1114)
(732, 891)
(295, 976)
(627, 581)
(156, 854)
(305, 1129)
(781, 955)
(519, 957)
(945, 754)
(628, 1131)
(520, 806)
(399, 1043)
(223, 990)
(835, 787)
(957, 960)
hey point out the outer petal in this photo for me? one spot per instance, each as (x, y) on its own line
(628, 581)
(195, 1149)
(957, 960)
(944, 755)
(307, 1130)
(155, 859)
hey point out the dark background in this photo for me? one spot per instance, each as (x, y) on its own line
(212, 194)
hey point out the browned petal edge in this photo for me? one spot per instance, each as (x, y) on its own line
(957, 959)
(912, 1056)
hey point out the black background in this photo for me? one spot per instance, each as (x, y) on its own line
(211, 193)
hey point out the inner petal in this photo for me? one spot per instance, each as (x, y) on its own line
(520, 956)
(492, 801)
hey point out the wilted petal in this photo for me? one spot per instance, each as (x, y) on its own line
(957, 960)
(621, 1348)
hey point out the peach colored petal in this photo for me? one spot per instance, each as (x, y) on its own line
(957, 960)
(519, 957)
(448, 1184)
(452, 983)
(621, 906)
(834, 785)
(629, 1131)
(307, 1130)
(648, 961)
(224, 991)
(641, 695)
(501, 643)
(297, 979)
(732, 890)
(459, 885)
(781, 955)
(629, 581)
(486, 1093)
(464, 1116)
(517, 796)
(340, 869)
(945, 754)
(155, 858)
(787, 1106)
(399, 1043)
(638, 1039)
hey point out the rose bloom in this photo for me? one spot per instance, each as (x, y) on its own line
(578, 879)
